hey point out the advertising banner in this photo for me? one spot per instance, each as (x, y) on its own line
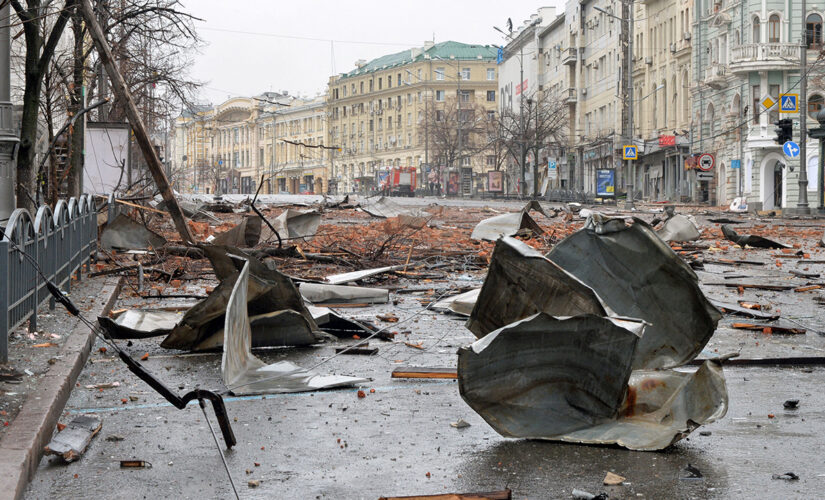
(495, 181)
(606, 182)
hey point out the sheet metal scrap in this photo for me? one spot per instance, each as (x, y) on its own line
(552, 369)
(293, 224)
(638, 276)
(320, 293)
(545, 376)
(340, 279)
(140, 324)
(750, 240)
(508, 224)
(275, 329)
(123, 233)
(243, 373)
(521, 282)
(245, 235)
(385, 208)
(678, 228)
(462, 303)
(269, 291)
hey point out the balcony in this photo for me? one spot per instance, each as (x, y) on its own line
(764, 57)
(716, 75)
(572, 95)
(571, 56)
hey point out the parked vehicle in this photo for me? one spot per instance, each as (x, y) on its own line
(399, 181)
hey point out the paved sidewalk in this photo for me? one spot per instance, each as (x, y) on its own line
(51, 359)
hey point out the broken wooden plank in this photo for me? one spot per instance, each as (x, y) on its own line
(489, 495)
(757, 286)
(766, 328)
(424, 372)
(71, 442)
(789, 361)
(803, 274)
(807, 288)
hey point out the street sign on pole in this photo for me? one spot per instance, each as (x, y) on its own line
(706, 162)
(767, 102)
(630, 153)
(552, 170)
(789, 103)
(791, 149)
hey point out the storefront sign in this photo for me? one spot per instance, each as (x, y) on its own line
(667, 140)
(606, 182)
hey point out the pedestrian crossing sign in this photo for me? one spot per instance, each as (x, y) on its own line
(789, 103)
(630, 153)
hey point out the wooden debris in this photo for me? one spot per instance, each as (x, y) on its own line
(369, 351)
(424, 372)
(72, 441)
(807, 288)
(612, 479)
(765, 328)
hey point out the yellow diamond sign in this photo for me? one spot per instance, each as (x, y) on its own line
(768, 102)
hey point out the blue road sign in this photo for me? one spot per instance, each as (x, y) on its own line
(500, 55)
(791, 149)
(735, 164)
(630, 153)
(220, 162)
(788, 103)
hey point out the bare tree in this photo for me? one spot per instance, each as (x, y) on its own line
(456, 130)
(541, 124)
(43, 24)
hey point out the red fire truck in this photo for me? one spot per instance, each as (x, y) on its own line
(400, 181)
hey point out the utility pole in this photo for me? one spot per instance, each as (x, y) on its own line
(458, 96)
(631, 167)
(522, 181)
(802, 201)
(120, 90)
(8, 140)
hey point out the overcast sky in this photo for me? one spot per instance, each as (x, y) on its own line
(260, 45)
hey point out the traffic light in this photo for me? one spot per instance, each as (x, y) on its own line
(784, 131)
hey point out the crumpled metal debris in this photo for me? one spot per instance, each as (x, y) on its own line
(245, 235)
(385, 208)
(508, 224)
(552, 369)
(269, 291)
(678, 227)
(750, 240)
(638, 276)
(123, 233)
(275, 329)
(140, 324)
(293, 224)
(462, 303)
(320, 293)
(340, 279)
(521, 282)
(243, 373)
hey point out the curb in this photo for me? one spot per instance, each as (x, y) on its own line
(22, 446)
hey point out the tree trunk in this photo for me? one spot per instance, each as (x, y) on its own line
(77, 103)
(26, 186)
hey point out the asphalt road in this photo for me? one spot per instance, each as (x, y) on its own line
(398, 440)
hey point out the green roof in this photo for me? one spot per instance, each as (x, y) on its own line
(444, 50)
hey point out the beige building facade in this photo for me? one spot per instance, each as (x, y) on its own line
(228, 148)
(378, 113)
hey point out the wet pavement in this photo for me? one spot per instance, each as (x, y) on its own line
(398, 439)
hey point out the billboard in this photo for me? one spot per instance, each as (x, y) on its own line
(606, 182)
(106, 161)
(495, 181)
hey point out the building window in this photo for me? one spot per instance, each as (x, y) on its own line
(813, 31)
(371, 85)
(465, 73)
(464, 96)
(362, 87)
(757, 30)
(465, 161)
(380, 81)
(491, 96)
(773, 28)
(491, 160)
(389, 122)
(491, 73)
(439, 115)
(439, 73)
(399, 80)
(380, 124)
(491, 115)
(814, 105)
(439, 95)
